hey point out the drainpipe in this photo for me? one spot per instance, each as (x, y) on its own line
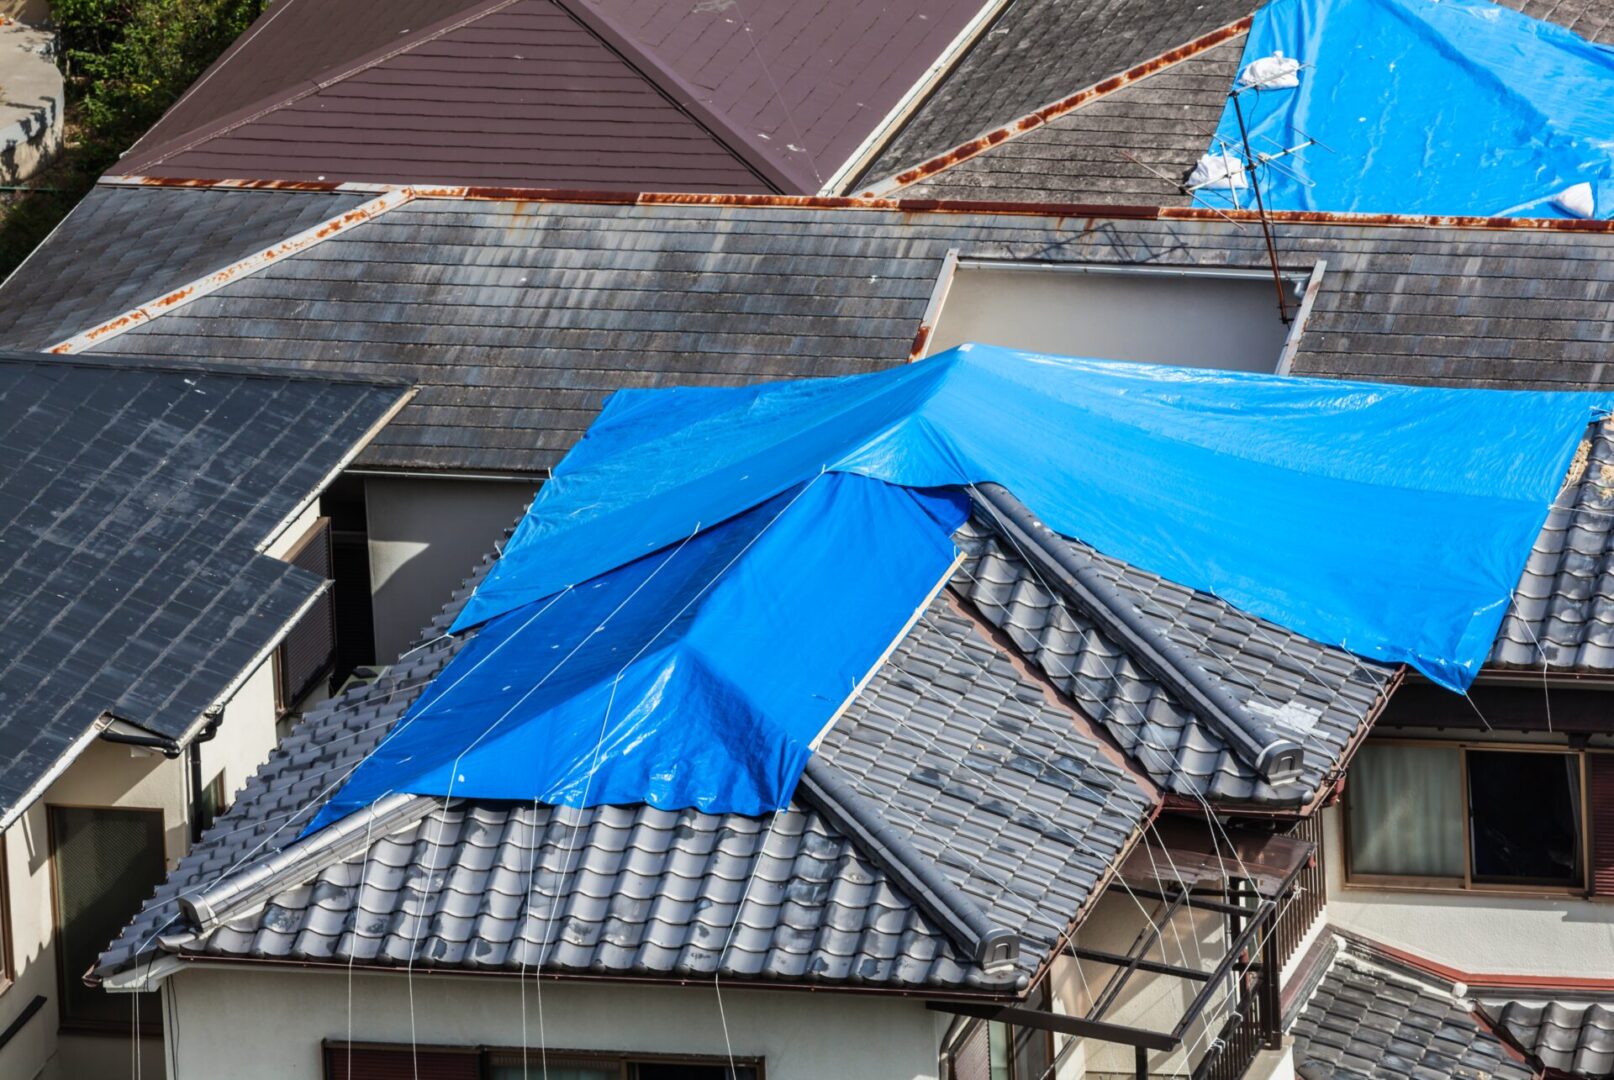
(194, 752)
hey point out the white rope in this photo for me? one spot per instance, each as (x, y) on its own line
(358, 910)
(745, 898)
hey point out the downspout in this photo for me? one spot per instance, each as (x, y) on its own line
(194, 752)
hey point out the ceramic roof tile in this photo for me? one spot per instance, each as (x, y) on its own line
(1574, 1037)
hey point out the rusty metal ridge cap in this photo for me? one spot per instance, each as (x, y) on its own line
(202, 286)
(1093, 211)
(1014, 128)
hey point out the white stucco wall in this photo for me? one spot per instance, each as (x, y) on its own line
(426, 536)
(1474, 932)
(268, 1024)
(108, 775)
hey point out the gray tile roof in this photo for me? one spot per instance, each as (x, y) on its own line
(132, 507)
(1323, 697)
(1369, 1020)
(1037, 52)
(1563, 610)
(1134, 146)
(1574, 1037)
(517, 318)
(121, 247)
(978, 774)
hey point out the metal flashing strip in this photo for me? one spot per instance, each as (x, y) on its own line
(1014, 128)
(195, 290)
(1083, 211)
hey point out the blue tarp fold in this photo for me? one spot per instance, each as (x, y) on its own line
(700, 675)
(1441, 107)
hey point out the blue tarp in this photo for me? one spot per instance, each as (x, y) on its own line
(1392, 521)
(1445, 107)
(699, 675)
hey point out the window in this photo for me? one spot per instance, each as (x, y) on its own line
(1191, 316)
(214, 801)
(1466, 816)
(104, 864)
(344, 1061)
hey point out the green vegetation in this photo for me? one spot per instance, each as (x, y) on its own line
(126, 61)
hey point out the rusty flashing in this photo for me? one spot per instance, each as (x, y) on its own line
(982, 143)
(1095, 211)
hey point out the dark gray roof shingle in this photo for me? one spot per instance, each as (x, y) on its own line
(1574, 1037)
(518, 318)
(1368, 1020)
(1134, 146)
(956, 749)
(1037, 52)
(133, 504)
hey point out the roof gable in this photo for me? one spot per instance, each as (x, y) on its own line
(132, 514)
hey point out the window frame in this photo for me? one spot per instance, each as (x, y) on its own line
(80, 1025)
(1466, 885)
(623, 1060)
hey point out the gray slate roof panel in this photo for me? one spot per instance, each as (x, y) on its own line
(635, 891)
(1324, 697)
(1037, 52)
(131, 511)
(1132, 147)
(1366, 1021)
(121, 247)
(1574, 1037)
(519, 318)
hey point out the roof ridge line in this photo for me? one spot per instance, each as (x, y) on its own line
(970, 148)
(677, 90)
(300, 860)
(994, 948)
(1275, 757)
(194, 137)
(209, 283)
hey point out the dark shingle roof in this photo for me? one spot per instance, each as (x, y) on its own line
(517, 318)
(1321, 696)
(121, 247)
(133, 504)
(1037, 52)
(1574, 1037)
(979, 774)
(1134, 146)
(1369, 1020)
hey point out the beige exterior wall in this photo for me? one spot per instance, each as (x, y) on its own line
(28, 11)
(108, 775)
(268, 1024)
(1474, 932)
(426, 536)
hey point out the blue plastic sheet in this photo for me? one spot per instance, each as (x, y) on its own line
(1444, 107)
(1392, 521)
(700, 675)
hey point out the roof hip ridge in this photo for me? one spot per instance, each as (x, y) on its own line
(1274, 756)
(994, 947)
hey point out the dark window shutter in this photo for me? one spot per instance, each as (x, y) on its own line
(399, 1063)
(1600, 812)
(310, 646)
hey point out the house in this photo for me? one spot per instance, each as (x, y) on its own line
(1060, 743)
(1030, 196)
(166, 603)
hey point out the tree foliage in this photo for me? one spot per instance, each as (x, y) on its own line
(126, 62)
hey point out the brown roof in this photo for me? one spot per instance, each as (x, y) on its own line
(620, 95)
